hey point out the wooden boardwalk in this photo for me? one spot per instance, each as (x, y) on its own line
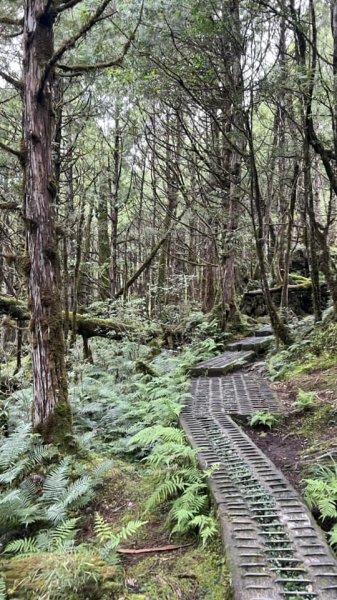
(274, 547)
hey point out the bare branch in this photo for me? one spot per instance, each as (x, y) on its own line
(65, 5)
(78, 69)
(12, 151)
(14, 82)
(12, 22)
(70, 43)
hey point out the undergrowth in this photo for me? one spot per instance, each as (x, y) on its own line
(126, 404)
(321, 496)
(315, 348)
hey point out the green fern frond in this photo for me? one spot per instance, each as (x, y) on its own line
(333, 536)
(102, 470)
(327, 508)
(63, 533)
(56, 482)
(206, 525)
(169, 488)
(25, 546)
(15, 471)
(15, 445)
(111, 540)
(102, 529)
(3, 589)
(172, 453)
(151, 435)
(78, 493)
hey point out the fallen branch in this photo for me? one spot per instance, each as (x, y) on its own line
(168, 548)
(86, 325)
(293, 286)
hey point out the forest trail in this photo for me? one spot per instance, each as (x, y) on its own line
(274, 547)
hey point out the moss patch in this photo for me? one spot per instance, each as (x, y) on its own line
(196, 574)
(314, 423)
(190, 573)
(60, 575)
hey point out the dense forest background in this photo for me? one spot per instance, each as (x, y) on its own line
(167, 170)
(186, 154)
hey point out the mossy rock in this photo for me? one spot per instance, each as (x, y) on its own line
(79, 575)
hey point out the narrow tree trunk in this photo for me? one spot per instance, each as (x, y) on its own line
(51, 410)
(280, 330)
(314, 266)
(83, 284)
(284, 294)
(114, 209)
(172, 158)
(103, 241)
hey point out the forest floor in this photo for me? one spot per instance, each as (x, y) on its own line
(301, 439)
(188, 572)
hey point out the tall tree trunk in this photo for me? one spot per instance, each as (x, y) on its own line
(114, 208)
(83, 284)
(291, 211)
(103, 240)
(309, 201)
(172, 160)
(51, 411)
(280, 329)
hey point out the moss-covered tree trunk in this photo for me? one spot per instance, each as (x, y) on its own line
(51, 411)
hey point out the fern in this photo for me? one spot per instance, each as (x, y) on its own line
(108, 539)
(38, 492)
(151, 435)
(172, 453)
(56, 482)
(25, 546)
(102, 529)
(207, 527)
(263, 418)
(3, 589)
(333, 536)
(62, 534)
(169, 488)
(321, 494)
(305, 400)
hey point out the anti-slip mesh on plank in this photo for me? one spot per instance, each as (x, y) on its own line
(275, 549)
(222, 364)
(236, 394)
(264, 331)
(255, 343)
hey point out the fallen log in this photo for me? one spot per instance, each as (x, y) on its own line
(300, 299)
(86, 325)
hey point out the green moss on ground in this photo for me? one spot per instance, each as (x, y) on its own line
(315, 422)
(198, 573)
(194, 569)
(60, 576)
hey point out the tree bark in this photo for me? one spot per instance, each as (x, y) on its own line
(51, 413)
(291, 211)
(114, 207)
